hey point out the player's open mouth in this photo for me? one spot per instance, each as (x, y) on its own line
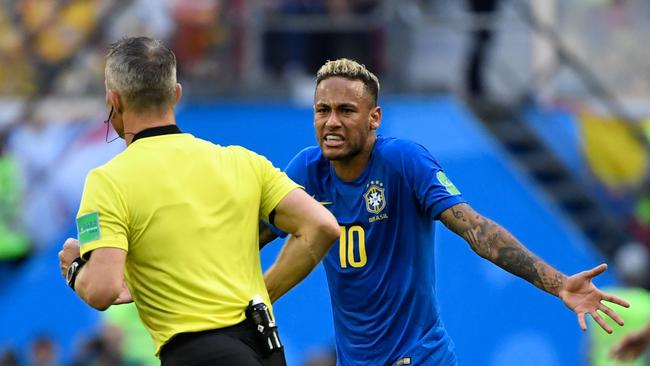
(332, 140)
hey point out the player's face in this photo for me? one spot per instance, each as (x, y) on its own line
(345, 118)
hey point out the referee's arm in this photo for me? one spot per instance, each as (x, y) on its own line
(313, 230)
(101, 281)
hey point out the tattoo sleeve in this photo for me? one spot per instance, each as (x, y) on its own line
(494, 243)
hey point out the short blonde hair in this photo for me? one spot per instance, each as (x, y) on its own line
(352, 70)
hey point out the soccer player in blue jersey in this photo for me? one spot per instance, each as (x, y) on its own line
(386, 193)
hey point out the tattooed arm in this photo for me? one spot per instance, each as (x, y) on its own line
(494, 243)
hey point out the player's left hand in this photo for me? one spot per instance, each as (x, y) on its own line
(68, 254)
(583, 297)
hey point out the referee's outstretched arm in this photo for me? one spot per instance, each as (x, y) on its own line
(313, 230)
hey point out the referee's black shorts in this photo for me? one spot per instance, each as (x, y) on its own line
(237, 345)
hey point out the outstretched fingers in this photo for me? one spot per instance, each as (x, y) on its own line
(581, 321)
(596, 270)
(601, 322)
(616, 300)
(612, 314)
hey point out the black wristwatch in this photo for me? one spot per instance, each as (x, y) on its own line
(73, 271)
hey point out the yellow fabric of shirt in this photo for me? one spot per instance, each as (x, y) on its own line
(187, 211)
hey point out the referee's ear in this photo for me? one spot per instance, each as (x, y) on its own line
(179, 92)
(115, 100)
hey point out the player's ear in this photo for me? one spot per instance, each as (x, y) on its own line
(375, 117)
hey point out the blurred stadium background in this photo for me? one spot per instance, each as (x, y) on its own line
(540, 112)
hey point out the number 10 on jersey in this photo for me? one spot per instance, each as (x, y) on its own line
(352, 247)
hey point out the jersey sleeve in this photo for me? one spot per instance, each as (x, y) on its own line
(275, 186)
(433, 190)
(296, 171)
(102, 216)
(297, 168)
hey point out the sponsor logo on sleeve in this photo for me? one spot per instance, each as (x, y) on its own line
(88, 227)
(449, 186)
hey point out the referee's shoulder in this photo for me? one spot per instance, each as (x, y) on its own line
(237, 153)
(115, 167)
(114, 163)
(217, 148)
(238, 150)
(102, 173)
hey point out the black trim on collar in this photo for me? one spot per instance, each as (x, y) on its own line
(156, 131)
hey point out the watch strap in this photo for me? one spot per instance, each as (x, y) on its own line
(73, 271)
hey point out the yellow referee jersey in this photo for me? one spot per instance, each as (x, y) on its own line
(187, 211)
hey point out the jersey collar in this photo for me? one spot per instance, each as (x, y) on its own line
(156, 131)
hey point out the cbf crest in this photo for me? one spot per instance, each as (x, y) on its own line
(374, 196)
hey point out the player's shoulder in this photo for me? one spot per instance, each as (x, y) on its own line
(309, 155)
(395, 149)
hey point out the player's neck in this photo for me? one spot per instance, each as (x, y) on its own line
(140, 122)
(350, 169)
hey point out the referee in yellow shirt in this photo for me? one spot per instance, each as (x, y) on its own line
(172, 222)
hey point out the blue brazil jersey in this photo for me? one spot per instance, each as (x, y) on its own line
(381, 271)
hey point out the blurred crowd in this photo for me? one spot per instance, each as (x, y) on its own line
(286, 50)
(57, 47)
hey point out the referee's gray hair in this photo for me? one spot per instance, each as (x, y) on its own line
(143, 71)
(352, 70)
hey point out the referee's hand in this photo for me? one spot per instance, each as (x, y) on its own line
(124, 297)
(68, 254)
